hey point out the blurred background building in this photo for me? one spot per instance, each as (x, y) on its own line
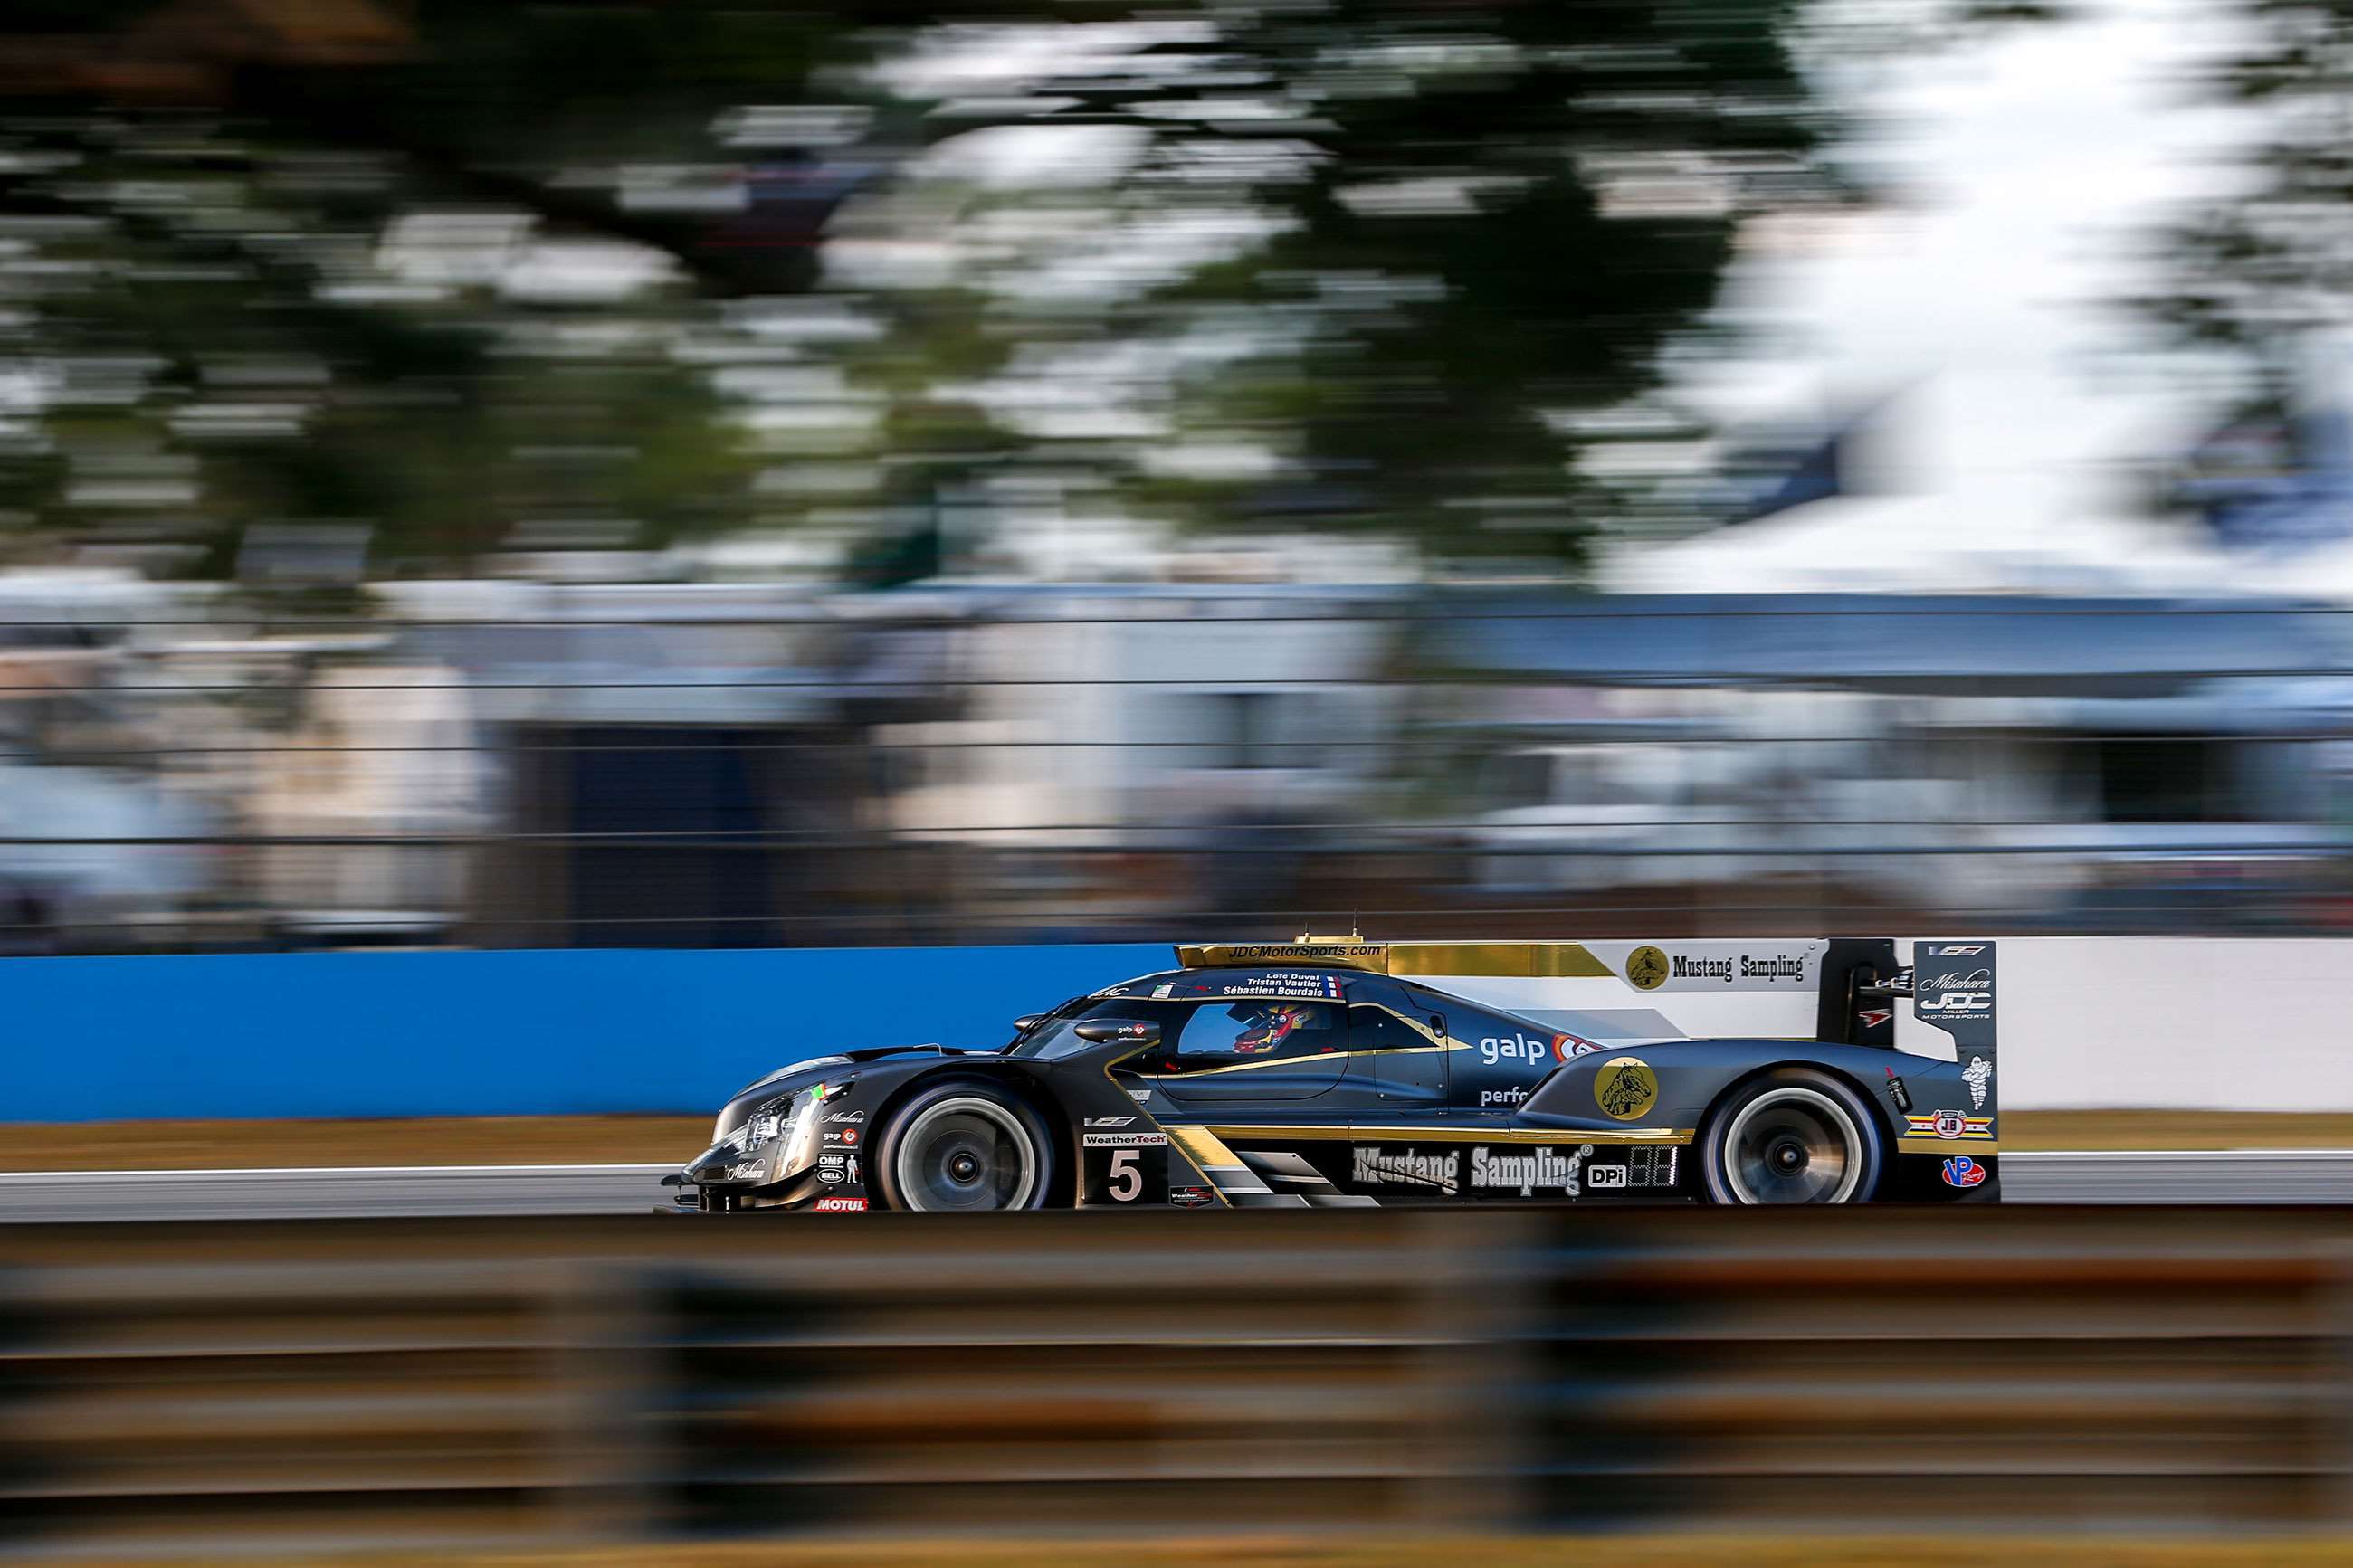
(712, 475)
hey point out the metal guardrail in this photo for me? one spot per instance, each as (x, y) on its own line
(407, 1383)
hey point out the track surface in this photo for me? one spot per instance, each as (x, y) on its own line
(2240, 1177)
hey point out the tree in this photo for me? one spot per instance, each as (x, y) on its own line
(2249, 278)
(1447, 224)
(1376, 246)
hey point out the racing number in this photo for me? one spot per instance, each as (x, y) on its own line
(1126, 1176)
(1126, 1167)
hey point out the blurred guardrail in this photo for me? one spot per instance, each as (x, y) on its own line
(401, 1384)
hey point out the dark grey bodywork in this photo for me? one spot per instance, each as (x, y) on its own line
(1377, 1090)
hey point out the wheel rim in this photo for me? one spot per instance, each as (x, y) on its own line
(965, 1155)
(1793, 1146)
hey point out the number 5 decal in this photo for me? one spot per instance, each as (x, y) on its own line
(1124, 1166)
(1126, 1176)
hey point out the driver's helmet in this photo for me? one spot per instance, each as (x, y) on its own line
(1269, 1028)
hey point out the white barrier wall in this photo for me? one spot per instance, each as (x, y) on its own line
(2188, 1022)
(2158, 1023)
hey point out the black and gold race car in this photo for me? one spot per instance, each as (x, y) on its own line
(1334, 1073)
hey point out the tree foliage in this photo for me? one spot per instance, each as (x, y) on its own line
(1377, 245)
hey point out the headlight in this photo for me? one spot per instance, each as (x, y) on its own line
(791, 1120)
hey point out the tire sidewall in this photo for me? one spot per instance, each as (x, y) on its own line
(885, 1161)
(1869, 1130)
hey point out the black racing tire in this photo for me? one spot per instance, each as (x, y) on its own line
(964, 1147)
(1793, 1136)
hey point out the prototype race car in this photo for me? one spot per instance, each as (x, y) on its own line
(1333, 1073)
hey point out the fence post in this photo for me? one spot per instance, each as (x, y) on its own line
(611, 1366)
(1478, 1277)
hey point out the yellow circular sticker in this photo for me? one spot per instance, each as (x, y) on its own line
(1625, 1088)
(1646, 968)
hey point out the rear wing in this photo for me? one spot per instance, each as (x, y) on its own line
(1951, 984)
(1953, 989)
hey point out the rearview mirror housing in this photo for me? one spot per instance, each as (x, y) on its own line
(1106, 1031)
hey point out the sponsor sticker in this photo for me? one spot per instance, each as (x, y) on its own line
(1949, 1125)
(1160, 993)
(1110, 1120)
(1529, 1170)
(1977, 1075)
(1511, 1096)
(1949, 950)
(840, 1205)
(1967, 995)
(1600, 1176)
(1267, 952)
(1516, 1048)
(1123, 1139)
(1191, 1197)
(1407, 1167)
(1871, 1017)
(752, 1173)
(1695, 966)
(846, 1136)
(1896, 1091)
(1960, 1171)
(1139, 1095)
(1625, 1087)
(847, 1118)
(1566, 1046)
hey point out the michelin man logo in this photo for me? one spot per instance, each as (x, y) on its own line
(1977, 1075)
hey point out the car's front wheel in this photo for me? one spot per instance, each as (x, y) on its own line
(964, 1148)
(1792, 1137)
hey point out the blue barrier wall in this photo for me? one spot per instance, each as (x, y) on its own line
(492, 1034)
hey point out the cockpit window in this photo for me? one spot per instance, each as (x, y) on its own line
(1202, 1034)
(1259, 1030)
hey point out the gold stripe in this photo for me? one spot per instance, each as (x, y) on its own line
(1202, 1147)
(1517, 960)
(1371, 956)
(1511, 960)
(1175, 1142)
(1295, 1061)
(1930, 1144)
(1333, 1133)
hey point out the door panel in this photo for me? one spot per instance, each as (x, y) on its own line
(1392, 1067)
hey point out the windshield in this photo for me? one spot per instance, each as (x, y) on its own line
(1219, 1029)
(1054, 1036)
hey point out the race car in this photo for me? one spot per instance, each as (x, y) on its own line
(1333, 1073)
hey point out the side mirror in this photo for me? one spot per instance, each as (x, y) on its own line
(1027, 1022)
(1104, 1031)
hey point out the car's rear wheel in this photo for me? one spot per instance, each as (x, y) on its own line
(964, 1148)
(1792, 1137)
